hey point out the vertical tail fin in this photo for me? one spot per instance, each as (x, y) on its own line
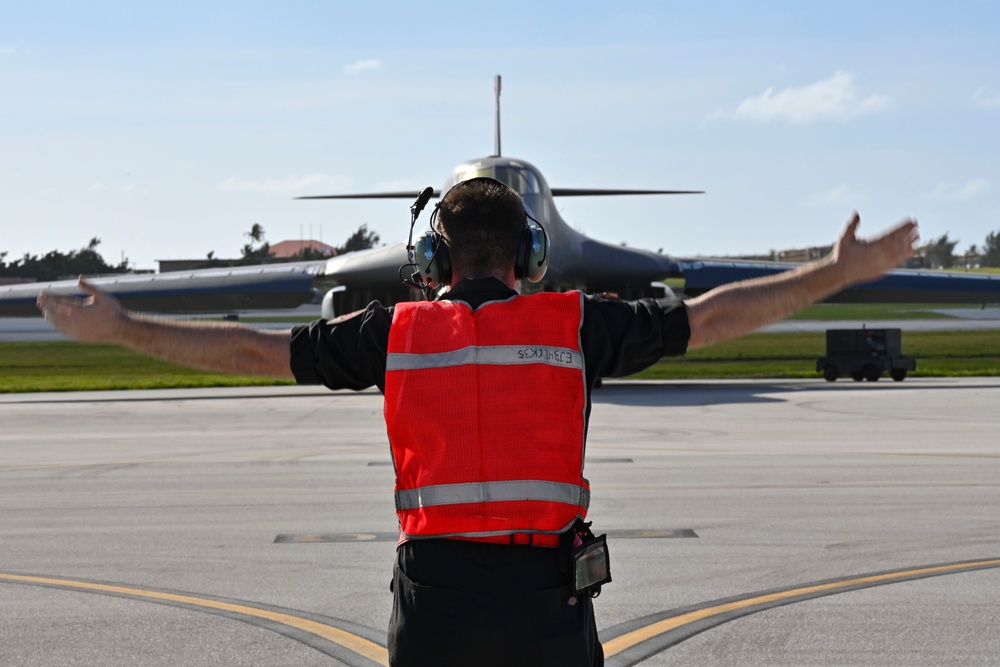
(496, 137)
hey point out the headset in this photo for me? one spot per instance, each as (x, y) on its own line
(432, 265)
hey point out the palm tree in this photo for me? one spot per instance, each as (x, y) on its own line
(256, 233)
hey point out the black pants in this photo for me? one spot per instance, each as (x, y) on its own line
(473, 604)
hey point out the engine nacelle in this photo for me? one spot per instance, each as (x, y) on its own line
(327, 310)
(662, 290)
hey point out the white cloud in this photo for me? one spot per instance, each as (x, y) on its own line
(6, 49)
(362, 65)
(841, 196)
(836, 98)
(983, 98)
(960, 193)
(294, 184)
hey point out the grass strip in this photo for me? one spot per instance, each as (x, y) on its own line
(28, 367)
(861, 312)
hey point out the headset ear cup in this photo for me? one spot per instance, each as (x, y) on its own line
(431, 256)
(423, 251)
(532, 258)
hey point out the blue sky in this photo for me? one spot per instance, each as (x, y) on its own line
(167, 130)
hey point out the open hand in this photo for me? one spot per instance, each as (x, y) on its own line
(92, 319)
(863, 261)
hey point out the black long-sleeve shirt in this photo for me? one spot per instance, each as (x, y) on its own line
(618, 337)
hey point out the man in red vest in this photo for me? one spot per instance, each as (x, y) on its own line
(487, 397)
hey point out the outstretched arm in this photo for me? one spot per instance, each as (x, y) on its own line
(732, 310)
(212, 346)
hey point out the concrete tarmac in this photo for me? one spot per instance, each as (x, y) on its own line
(750, 522)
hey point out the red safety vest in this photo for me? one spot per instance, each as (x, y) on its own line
(485, 412)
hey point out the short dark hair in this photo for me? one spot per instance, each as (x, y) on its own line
(481, 220)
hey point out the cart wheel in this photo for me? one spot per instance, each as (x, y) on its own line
(898, 374)
(830, 373)
(857, 376)
(871, 373)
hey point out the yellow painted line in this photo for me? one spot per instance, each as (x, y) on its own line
(359, 645)
(630, 639)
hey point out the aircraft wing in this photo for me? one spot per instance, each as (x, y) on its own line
(208, 290)
(606, 267)
(373, 272)
(899, 286)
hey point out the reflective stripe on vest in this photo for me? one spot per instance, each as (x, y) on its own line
(484, 492)
(485, 412)
(496, 354)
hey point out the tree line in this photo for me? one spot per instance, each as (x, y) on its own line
(56, 265)
(939, 253)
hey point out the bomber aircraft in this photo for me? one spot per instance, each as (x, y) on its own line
(576, 262)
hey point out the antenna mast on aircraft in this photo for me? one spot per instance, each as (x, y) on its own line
(496, 138)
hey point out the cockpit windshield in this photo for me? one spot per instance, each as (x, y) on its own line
(520, 179)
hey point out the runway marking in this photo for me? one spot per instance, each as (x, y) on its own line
(323, 635)
(625, 645)
(632, 642)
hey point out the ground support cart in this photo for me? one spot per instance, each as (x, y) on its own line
(864, 354)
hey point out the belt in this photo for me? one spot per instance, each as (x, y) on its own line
(522, 539)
